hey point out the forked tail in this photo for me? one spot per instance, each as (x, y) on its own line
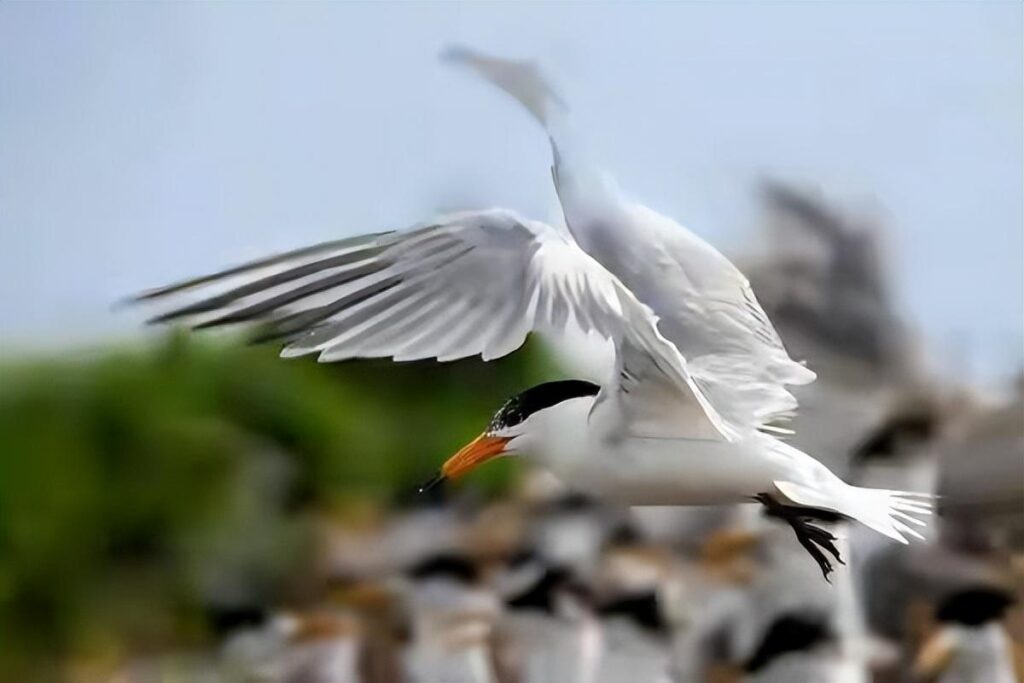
(891, 513)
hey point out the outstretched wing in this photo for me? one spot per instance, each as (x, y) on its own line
(473, 283)
(704, 303)
(708, 310)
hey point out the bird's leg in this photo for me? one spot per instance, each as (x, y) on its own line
(813, 538)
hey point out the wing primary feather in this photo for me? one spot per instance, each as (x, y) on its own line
(418, 346)
(359, 242)
(224, 301)
(511, 333)
(286, 328)
(370, 313)
(268, 305)
(411, 324)
(322, 334)
(475, 337)
(458, 320)
(302, 321)
(271, 281)
(431, 257)
(372, 340)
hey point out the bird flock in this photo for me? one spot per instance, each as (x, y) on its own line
(547, 586)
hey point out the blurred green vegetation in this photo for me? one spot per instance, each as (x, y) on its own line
(135, 484)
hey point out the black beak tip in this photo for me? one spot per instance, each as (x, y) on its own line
(431, 483)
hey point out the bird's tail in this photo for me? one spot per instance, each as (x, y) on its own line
(890, 513)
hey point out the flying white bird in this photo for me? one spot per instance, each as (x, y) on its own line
(700, 378)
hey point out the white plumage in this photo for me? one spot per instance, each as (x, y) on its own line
(701, 378)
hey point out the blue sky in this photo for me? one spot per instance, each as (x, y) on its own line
(140, 143)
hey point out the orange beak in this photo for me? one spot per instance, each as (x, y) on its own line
(476, 452)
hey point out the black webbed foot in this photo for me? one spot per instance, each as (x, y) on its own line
(813, 538)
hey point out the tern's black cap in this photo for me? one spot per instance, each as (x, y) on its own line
(643, 609)
(542, 595)
(975, 606)
(452, 566)
(534, 399)
(789, 633)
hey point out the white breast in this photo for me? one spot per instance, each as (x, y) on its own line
(981, 654)
(641, 471)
